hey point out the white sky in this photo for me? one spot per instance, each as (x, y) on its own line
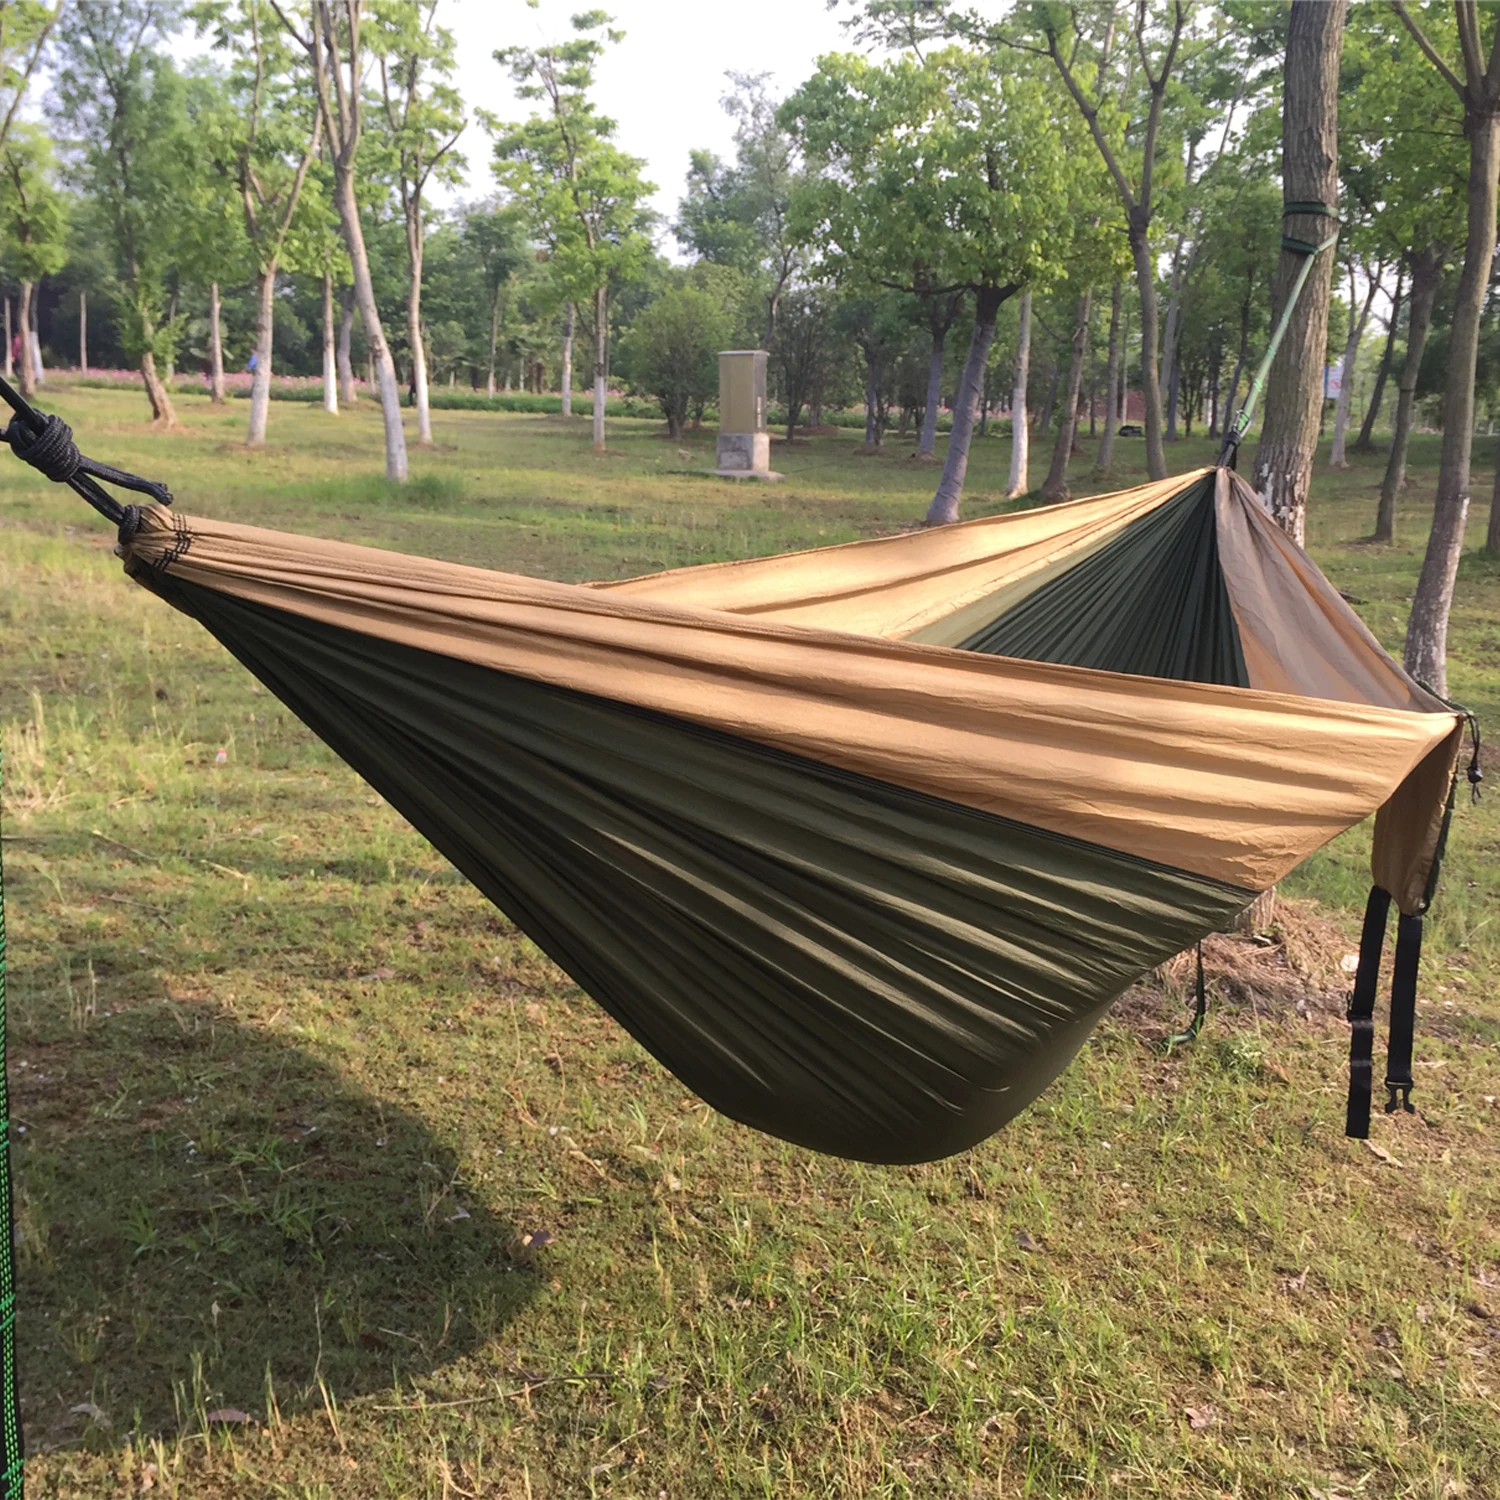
(661, 85)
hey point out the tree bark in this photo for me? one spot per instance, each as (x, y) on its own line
(260, 381)
(1145, 276)
(1112, 372)
(330, 359)
(1365, 442)
(1309, 174)
(83, 333)
(417, 343)
(1426, 655)
(1337, 458)
(28, 369)
(348, 395)
(10, 339)
(567, 361)
(1020, 433)
(1426, 273)
(216, 391)
(162, 411)
(1055, 486)
(944, 507)
(489, 377)
(874, 374)
(369, 313)
(601, 362)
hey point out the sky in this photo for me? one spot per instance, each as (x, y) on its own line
(662, 84)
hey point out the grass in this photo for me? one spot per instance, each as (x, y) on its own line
(330, 1185)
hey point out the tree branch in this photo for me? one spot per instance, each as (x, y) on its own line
(1399, 6)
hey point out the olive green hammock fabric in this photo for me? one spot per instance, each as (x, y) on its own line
(858, 886)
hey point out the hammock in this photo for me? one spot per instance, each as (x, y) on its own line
(862, 842)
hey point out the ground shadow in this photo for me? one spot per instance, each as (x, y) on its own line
(205, 1208)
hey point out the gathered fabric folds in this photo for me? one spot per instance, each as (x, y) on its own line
(860, 842)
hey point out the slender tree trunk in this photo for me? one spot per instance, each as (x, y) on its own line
(369, 313)
(1426, 653)
(1239, 366)
(1309, 174)
(1337, 458)
(330, 359)
(1020, 434)
(170, 374)
(927, 443)
(601, 362)
(1365, 442)
(1492, 531)
(874, 375)
(944, 507)
(1145, 276)
(1426, 273)
(215, 347)
(36, 335)
(348, 395)
(83, 333)
(260, 382)
(10, 343)
(162, 411)
(1044, 422)
(567, 361)
(489, 375)
(1112, 372)
(1055, 486)
(28, 369)
(418, 345)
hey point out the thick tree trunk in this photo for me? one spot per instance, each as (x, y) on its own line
(348, 395)
(369, 313)
(28, 368)
(1112, 372)
(601, 363)
(567, 361)
(1426, 273)
(260, 382)
(162, 411)
(330, 358)
(1426, 655)
(1365, 442)
(1145, 278)
(1055, 486)
(1309, 174)
(83, 333)
(944, 507)
(216, 390)
(489, 374)
(1020, 433)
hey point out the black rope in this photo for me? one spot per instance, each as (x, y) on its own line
(45, 441)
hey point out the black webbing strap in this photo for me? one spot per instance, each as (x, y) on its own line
(1398, 1079)
(1361, 1014)
(1292, 210)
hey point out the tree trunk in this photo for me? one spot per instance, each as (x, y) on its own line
(1337, 458)
(330, 359)
(348, 395)
(1044, 422)
(1055, 486)
(380, 353)
(1365, 442)
(1145, 277)
(944, 507)
(28, 369)
(601, 362)
(927, 443)
(874, 374)
(1309, 174)
(1492, 531)
(489, 376)
(1426, 273)
(10, 344)
(170, 374)
(1239, 367)
(567, 362)
(215, 347)
(260, 381)
(1112, 372)
(83, 333)
(1426, 654)
(1020, 433)
(156, 393)
(418, 348)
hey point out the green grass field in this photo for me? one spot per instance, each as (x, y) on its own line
(331, 1185)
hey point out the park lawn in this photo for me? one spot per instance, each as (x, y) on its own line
(307, 1134)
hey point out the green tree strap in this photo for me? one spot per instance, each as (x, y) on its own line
(1241, 424)
(1200, 1010)
(11, 1451)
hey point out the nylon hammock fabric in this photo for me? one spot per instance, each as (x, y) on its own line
(858, 880)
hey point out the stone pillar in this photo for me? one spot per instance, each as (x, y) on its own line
(744, 446)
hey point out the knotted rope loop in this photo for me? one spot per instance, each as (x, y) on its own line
(48, 447)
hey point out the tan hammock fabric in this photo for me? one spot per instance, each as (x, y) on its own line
(1235, 785)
